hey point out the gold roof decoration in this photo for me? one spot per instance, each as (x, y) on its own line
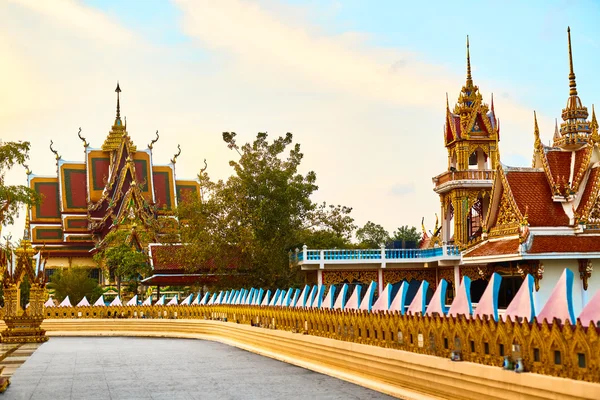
(575, 130)
(118, 131)
(469, 99)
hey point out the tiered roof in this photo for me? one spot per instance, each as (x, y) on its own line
(558, 197)
(115, 186)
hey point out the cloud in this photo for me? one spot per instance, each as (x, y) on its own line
(401, 189)
(365, 115)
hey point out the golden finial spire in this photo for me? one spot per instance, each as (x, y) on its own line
(118, 90)
(572, 83)
(26, 231)
(447, 102)
(536, 131)
(556, 131)
(469, 77)
(594, 120)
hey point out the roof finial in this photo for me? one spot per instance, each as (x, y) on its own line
(594, 120)
(469, 78)
(26, 235)
(556, 132)
(572, 83)
(447, 102)
(536, 131)
(492, 104)
(118, 90)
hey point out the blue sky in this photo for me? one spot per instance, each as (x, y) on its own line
(361, 84)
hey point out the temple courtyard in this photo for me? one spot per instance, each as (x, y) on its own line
(139, 368)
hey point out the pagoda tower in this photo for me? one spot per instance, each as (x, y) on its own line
(471, 136)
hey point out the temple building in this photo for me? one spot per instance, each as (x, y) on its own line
(546, 217)
(515, 221)
(115, 187)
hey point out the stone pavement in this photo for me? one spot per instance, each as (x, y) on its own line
(148, 368)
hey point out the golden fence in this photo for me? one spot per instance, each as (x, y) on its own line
(569, 351)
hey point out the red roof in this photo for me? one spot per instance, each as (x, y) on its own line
(560, 165)
(532, 194)
(164, 258)
(564, 244)
(499, 247)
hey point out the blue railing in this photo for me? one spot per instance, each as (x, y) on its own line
(369, 254)
(375, 254)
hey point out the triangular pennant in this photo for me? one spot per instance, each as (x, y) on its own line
(383, 301)
(100, 302)
(116, 302)
(340, 302)
(461, 305)
(560, 302)
(591, 312)
(66, 303)
(522, 305)
(417, 306)
(353, 302)
(399, 301)
(83, 302)
(488, 304)
(437, 304)
(132, 301)
(367, 301)
(328, 302)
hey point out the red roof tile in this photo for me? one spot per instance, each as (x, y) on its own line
(534, 198)
(560, 165)
(499, 247)
(564, 244)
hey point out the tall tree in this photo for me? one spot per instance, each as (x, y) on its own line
(372, 235)
(253, 218)
(407, 234)
(13, 196)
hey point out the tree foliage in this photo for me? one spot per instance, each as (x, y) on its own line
(250, 221)
(122, 259)
(372, 235)
(13, 196)
(407, 234)
(75, 283)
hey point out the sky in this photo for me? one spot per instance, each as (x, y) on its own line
(361, 84)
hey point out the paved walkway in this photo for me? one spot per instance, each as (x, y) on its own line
(138, 368)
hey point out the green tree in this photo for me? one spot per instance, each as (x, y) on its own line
(13, 196)
(124, 258)
(253, 218)
(372, 235)
(407, 234)
(75, 283)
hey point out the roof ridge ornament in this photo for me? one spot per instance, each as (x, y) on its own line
(151, 145)
(85, 143)
(118, 91)
(174, 159)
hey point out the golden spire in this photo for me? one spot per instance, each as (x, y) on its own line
(27, 229)
(556, 132)
(572, 83)
(594, 120)
(447, 103)
(469, 77)
(536, 131)
(118, 90)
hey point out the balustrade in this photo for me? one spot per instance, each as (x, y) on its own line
(569, 351)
